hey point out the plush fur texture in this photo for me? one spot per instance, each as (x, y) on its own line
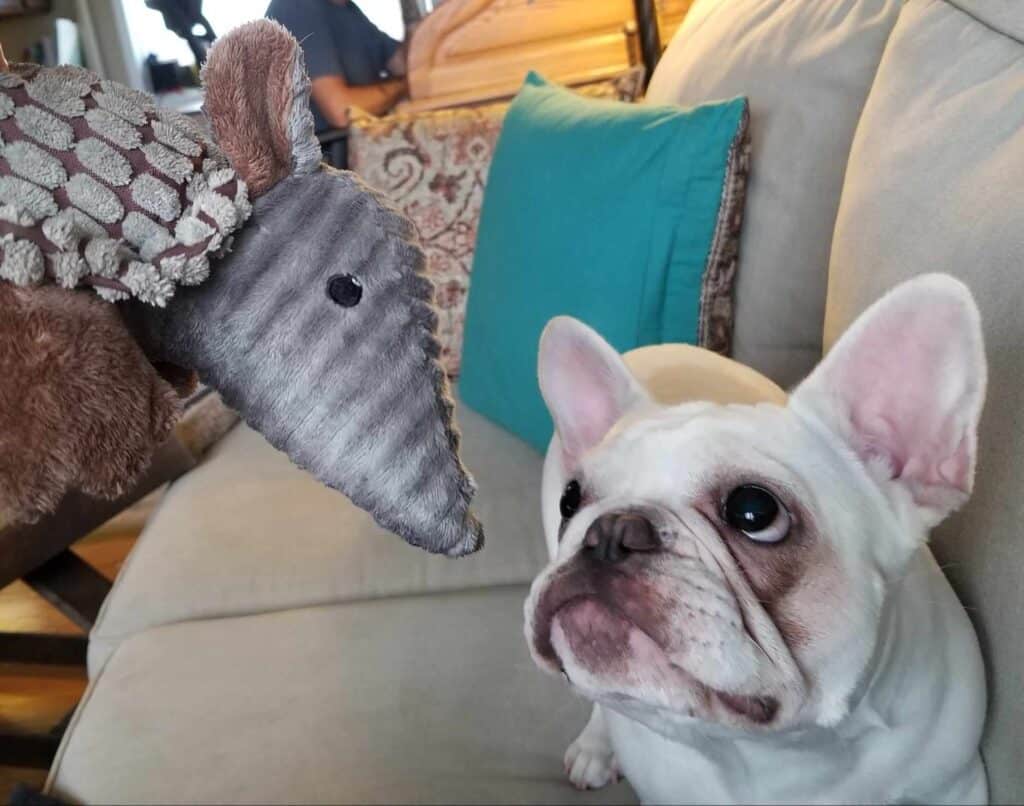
(355, 395)
(80, 405)
(258, 106)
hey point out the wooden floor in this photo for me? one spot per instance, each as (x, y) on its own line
(35, 698)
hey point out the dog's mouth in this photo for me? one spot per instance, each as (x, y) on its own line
(619, 647)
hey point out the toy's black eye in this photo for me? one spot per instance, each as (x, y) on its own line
(757, 513)
(571, 498)
(345, 290)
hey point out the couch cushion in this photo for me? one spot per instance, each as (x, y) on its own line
(934, 184)
(247, 531)
(426, 700)
(806, 68)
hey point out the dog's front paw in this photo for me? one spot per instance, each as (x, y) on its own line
(590, 763)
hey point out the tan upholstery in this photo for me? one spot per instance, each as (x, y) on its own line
(265, 642)
(806, 67)
(249, 532)
(418, 699)
(372, 677)
(934, 183)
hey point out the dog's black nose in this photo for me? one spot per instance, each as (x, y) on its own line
(615, 535)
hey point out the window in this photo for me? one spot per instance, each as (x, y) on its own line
(148, 34)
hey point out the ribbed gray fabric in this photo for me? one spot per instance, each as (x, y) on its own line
(354, 395)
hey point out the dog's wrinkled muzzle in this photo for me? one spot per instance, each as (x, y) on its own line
(645, 611)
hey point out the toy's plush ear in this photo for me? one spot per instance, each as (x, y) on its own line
(257, 99)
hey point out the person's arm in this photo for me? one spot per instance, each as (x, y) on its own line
(398, 61)
(391, 52)
(334, 97)
(398, 64)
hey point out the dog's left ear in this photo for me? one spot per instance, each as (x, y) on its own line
(585, 383)
(904, 387)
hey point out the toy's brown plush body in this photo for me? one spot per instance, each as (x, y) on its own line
(81, 407)
(294, 290)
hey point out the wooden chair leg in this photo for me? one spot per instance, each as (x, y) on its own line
(37, 750)
(72, 586)
(77, 590)
(33, 750)
(42, 649)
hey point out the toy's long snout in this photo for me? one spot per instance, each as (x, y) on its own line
(318, 328)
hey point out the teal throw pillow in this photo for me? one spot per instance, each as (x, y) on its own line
(625, 216)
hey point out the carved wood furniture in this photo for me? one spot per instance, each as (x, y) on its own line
(472, 51)
(670, 17)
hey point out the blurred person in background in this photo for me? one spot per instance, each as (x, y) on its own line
(350, 61)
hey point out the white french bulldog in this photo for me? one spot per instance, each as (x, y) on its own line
(746, 593)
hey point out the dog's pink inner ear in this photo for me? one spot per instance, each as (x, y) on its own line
(905, 386)
(905, 394)
(585, 384)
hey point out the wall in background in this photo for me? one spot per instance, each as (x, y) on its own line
(101, 31)
(17, 34)
(112, 41)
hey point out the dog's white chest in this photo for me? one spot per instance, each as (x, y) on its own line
(815, 769)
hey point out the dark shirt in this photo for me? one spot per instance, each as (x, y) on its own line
(336, 40)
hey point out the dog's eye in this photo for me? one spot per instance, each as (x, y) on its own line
(571, 497)
(345, 290)
(757, 513)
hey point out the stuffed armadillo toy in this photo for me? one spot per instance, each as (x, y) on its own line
(135, 245)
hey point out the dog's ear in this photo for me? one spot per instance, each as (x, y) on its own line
(585, 384)
(904, 387)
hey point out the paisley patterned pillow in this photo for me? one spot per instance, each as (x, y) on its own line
(434, 166)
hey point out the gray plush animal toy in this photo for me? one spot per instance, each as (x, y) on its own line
(291, 288)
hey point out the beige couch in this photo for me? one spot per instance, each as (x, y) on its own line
(265, 642)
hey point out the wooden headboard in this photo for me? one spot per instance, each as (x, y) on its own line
(470, 51)
(670, 17)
